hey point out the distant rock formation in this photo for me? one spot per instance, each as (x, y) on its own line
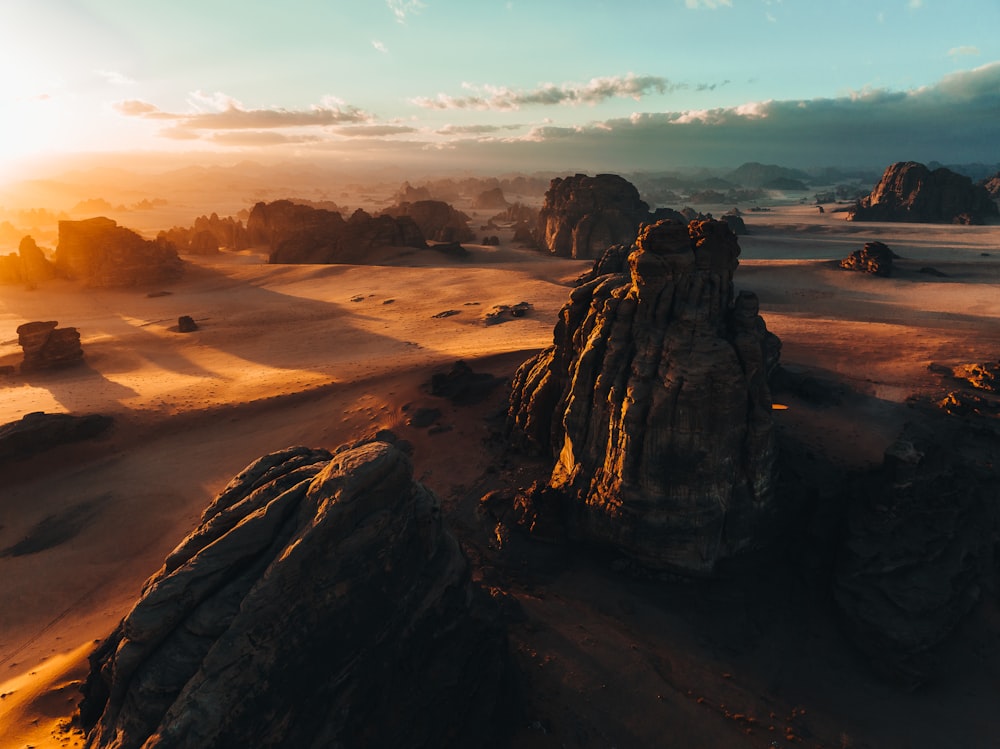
(768, 176)
(320, 602)
(736, 223)
(875, 258)
(516, 213)
(28, 266)
(303, 234)
(909, 191)
(438, 221)
(101, 253)
(920, 544)
(992, 185)
(654, 402)
(208, 235)
(491, 199)
(583, 215)
(38, 431)
(47, 346)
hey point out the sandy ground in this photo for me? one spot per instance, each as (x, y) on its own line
(321, 355)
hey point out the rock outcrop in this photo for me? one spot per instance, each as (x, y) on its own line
(319, 603)
(583, 215)
(101, 253)
(992, 185)
(47, 346)
(875, 258)
(920, 544)
(437, 220)
(303, 234)
(28, 266)
(208, 235)
(491, 199)
(654, 402)
(909, 191)
(39, 431)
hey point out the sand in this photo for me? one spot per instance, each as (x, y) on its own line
(322, 355)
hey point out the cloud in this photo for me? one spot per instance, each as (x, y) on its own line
(594, 92)
(115, 78)
(220, 112)
(475, 129)
(374, 131)
(710, 4)
(380, 46)
(402, 8)
(965, 51)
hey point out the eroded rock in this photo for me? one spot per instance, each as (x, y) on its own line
(875, 258)
(101, 253)
(319, 603)
(653, 400)
(47, 346)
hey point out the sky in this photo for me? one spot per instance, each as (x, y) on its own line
(502, 84)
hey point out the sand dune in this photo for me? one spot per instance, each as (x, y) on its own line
(320, 355)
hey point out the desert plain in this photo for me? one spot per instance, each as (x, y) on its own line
(321, 355)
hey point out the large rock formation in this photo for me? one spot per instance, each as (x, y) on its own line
(28, 266)
(875, 258)
(920, 545)
(909, 191)
(101, 253)
(438, 221)
(490, 199)
(583, 215)
(39, 431)
(319, 603)
(47, 346)
(303, 234)
(208, 235)
(654, 402)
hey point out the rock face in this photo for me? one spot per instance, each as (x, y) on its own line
(47, 346)
(875, 258)
(38, 431)
(319, 603)
(208, 235)
(101, 253)
(909, 191)
(437, 220)
(29, 265)
(654, 402)
(583, 215)
(303, 234)
(920, 544)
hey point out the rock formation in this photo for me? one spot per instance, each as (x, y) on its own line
(491, 199)
(920, 544)
(47, 346)
(992, 185)
(101, 253)
(319, 603)
(516, 213)
(583, 215)
(303, 234)
(438, 221)
(654, 402)
(28, 266)
(208, 235)
(875, 258)
(909, 191)
(38, 431)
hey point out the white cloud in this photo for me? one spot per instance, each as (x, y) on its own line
(380, 46)
(115, 78)
(710, 4)
(595, 91)
(403, 8)
(964, 51)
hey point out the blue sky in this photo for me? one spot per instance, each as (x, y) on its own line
(541, 84)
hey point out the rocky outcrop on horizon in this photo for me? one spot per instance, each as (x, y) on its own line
(320, 602)
(437, 220)
(874, 258)
(909, 191)
(653, 401)
(491, 199)
(208, 235)
(516, 213)
(302, 234)
(102, 254)
(47, 346)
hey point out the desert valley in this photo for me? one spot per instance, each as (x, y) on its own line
(837, 372)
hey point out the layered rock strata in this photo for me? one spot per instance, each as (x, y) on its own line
(653, 400)
(319, 603)
(47, 346)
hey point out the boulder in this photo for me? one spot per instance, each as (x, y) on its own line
(101, 253)
(653, 402)
(909, 191)
(875, 258)
(47, 346)
(583, 215)
(186, 324)
(320, 602)
(39, 431)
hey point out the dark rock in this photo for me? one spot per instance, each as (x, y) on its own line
(738, 225)
(503, 312)
(982, 376)
(423, 417)
(920, 545)
(490, 199)
(437, 221)
(320, 602)
(47, 346)
(462, 385)
(929, 271)
(613, 260)
(875, 258)
(37, 432)
(992, 185)
(653, 400)
(447, 313)
(101, 253)
(491, 241)
(909, 191)
(452, 249)
(186, 324)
